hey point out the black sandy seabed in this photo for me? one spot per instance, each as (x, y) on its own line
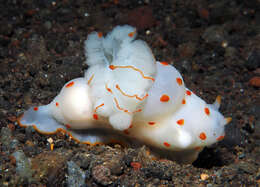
(214, 44)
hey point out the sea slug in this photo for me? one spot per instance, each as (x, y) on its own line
(127, 94)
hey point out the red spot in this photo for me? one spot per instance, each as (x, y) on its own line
(69, 84)
(139, 110)
(183, 101)
(95, 116)
(207, 111)
(188, 92)
(151, 123)
(131, 126)
(180, 122)
(109, 90)
(57, 104)
(136, 165)
(67, 126)
(166, 144)
(126, 132)
(131, 34)
(202, 136)
(179, 81)
(164, 63)
(164, 98)
(220, 138)
(35, 108)
(100, 34)
(112, 67)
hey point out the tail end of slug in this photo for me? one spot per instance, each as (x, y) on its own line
(40, 119)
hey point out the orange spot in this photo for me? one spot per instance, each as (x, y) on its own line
(51, 146)
(57, 104)
(131, 126)
(183, 101)
(151, 123)
(131, 34)
(35, 108)
(220, 138)
(218, 99)
(69, 84)
(136, 165)
(95, 116)
(100, 34)
(154, 158)
(108, 89)
(179, 81)
(166, 144)
(164, 98)
(138, 110)
(164, 63)
(90, 79)
(188, 92)
(112, 67)
(228, 120)
(202, 136)
(67, 126)
(180, 122)
(207, 111)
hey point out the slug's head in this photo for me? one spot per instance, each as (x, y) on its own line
(213, 123)
(197, 124)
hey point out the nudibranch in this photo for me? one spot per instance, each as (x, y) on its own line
(127, 94)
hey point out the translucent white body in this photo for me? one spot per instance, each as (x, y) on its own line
(127, 92)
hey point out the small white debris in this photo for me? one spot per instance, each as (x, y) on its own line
(224, 44)
(148, 32)
(50, 140)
